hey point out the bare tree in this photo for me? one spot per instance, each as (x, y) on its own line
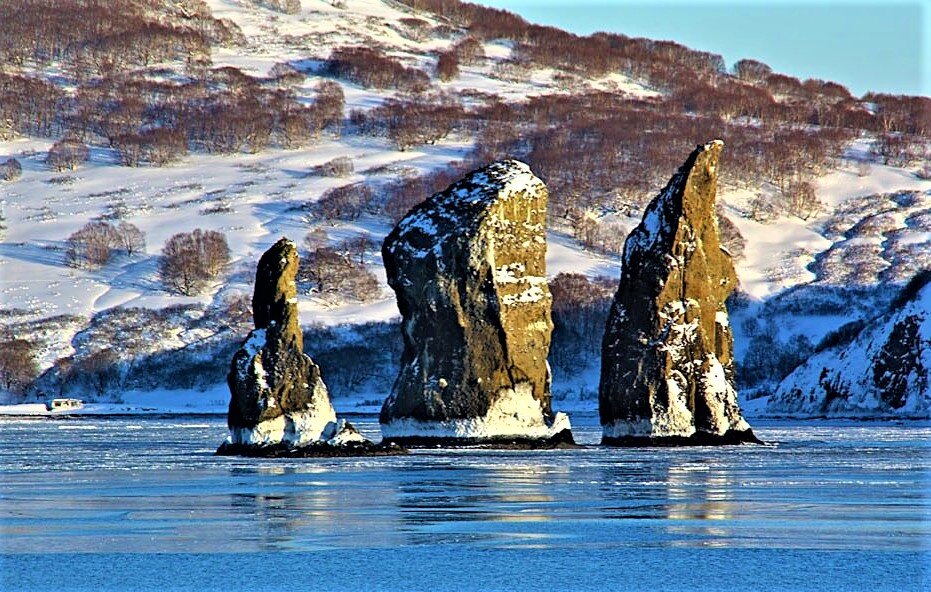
(10, 170)
(341, 166)
(92, 245)
(18, 364)
(344, 203)
(358, 246)
(332, 273)
(447, 66)
(801, 200)
(67, 153)
(316, 239)
(330, 104)
(130, 238)
(190, 260)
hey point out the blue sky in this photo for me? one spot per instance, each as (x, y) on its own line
(877, 45)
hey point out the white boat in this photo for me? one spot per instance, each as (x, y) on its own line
(63, 405)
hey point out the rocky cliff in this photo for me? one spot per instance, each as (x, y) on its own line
(884, 371)
(278, 398)
(468, 268)
(667, 373)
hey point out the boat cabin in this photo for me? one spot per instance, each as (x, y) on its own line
(64, 404)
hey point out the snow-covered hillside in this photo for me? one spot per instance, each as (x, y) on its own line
(70, 313)
(884, 368)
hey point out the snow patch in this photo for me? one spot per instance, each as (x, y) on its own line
(514, 414)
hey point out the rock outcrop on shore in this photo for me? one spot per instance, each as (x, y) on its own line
(667, 374)
(468, 268)
(279, 405)
(882, 369)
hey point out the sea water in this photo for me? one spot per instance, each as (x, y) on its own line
(140, 503)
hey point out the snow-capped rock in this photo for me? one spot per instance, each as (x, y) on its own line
(468, 267)
(278, 396)
(279, 404)
(667, 359)
(885, 371)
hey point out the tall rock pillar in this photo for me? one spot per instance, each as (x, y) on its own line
(468, 266)
(667, 371)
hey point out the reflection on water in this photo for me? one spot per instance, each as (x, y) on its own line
(159, 489)
(480, 502)
(700, 497)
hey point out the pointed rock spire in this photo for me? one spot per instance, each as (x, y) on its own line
(667, 374)
(278, 400)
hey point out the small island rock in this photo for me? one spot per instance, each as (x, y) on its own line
(279, 405)
(468, 267)
(667, 374)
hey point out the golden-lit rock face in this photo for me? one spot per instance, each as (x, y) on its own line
(276, 390)
(468, 266)
(667, 356)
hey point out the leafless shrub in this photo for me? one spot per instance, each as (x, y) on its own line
(415, 28)
(67, 154)
(191, 260)
(356, 247)
(283, 6)
(10, 170)
(316, 239)
(372, 68)
(447, 66)
(406, 193)
(580, 310)
(91, 246)
(155, 146)
(329, 105)
(801, 200)
(18, 364)
(411, 122)
(340, 167)
(286, 74)
(752, 70)
(763, 208)
(130, 238)
(334, 274)
(344, 203)
(469, 50)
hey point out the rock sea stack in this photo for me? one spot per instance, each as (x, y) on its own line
(469, 271)
(667, 370)
(279, 405)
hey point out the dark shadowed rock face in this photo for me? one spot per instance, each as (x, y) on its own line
(667, 371)
(278, 396)
(468, 268)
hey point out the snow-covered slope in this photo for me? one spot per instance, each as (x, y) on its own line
(884, 371)
(70, 314)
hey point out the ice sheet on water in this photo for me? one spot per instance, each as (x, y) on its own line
(820, 501)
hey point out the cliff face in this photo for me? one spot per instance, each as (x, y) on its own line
(468, 268)
(885, 371)
(667, 371)
(277, 394)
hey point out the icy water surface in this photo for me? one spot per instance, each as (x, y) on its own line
(141, 504)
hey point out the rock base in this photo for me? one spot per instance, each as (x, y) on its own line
(313, 450)
(560, 440)
(728, 438)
